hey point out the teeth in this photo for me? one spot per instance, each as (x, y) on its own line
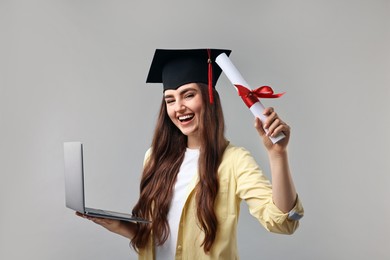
(185, 117)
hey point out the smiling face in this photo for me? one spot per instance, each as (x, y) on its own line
(184, 106)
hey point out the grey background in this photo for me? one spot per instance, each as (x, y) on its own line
(75, 70)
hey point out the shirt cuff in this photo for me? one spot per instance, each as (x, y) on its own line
(297, 212)
(293, 215)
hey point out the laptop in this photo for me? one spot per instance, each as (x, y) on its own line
(74, 186)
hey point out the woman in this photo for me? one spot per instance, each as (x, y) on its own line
(194, 180)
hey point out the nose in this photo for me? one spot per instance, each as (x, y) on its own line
(179, 106)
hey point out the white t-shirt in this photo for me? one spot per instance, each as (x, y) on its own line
(186, 173)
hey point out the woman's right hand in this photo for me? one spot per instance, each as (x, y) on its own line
(123, 228)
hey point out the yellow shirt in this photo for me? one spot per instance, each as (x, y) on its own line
(240, 179)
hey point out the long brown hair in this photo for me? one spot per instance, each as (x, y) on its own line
(161, 168)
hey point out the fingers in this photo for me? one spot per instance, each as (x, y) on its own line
(80, 215)
(273, 124)
(100, 221)
(270, 117)
(259, 126)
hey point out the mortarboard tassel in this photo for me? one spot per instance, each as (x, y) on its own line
(210, 76)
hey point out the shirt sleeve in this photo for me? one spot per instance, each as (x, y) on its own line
(255, 188)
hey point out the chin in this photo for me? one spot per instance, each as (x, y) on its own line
(189, 132)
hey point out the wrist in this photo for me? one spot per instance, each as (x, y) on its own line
(127, 229)
(278, 154)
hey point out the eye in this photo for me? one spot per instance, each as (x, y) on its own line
(169, 101)
(189, 95)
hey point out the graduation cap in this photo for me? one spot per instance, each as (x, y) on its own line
(174, 68)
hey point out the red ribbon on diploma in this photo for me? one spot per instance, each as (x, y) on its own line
(250, 97)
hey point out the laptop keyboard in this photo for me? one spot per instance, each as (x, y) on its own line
(102, 213)
(98, 211)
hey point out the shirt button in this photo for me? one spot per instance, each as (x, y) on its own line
(179, 247)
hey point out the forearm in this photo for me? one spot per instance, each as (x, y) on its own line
(126, 229)
(283, 189)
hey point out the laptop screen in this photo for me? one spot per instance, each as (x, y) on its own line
(74, 176)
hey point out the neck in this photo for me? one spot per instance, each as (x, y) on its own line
(193, 142)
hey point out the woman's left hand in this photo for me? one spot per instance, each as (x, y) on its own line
(274, 125)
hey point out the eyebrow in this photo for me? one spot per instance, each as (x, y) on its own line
(181, 92)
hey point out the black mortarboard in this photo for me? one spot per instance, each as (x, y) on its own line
(175, 68)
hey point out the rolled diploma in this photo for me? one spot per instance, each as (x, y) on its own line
(235, 78)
